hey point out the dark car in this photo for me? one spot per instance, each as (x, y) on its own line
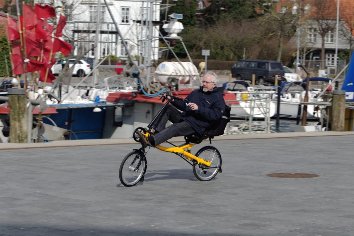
(265, 71)
(6, 84)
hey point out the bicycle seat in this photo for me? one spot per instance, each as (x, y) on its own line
(195, 138)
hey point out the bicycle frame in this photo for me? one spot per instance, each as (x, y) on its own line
(182, 151)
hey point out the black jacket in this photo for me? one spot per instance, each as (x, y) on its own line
(211, 106)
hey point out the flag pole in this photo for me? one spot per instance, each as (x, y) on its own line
(22, 43)
(10, 48)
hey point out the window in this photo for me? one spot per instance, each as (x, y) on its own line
(329, 38)
(311, 35)
(252, 64)
(330, 59)
(262, 65)
(93, 13)
(276, 66)
(125, 15)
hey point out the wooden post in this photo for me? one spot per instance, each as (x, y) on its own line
(276, 80)
(304, 108)
(18, 116)
(253, 79)
(338, 111)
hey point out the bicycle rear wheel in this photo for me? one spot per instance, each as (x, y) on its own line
(205, 173)
(133, 168)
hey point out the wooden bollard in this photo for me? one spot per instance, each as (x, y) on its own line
(18, 116)
(253, 79)
(338, 111)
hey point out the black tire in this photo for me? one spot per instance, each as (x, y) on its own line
(80, 73)
(133, 168)
(204, 173)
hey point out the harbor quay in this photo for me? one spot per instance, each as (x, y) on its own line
(272, 184)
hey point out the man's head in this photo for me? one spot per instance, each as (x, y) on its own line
(209, 81)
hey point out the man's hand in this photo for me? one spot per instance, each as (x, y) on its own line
(192, 106)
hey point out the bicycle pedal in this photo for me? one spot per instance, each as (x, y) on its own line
(220, 170)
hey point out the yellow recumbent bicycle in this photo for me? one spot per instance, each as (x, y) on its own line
(206, 162)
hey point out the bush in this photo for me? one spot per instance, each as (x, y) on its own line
(5, 63)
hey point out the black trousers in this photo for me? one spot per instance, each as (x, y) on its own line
(179, 127)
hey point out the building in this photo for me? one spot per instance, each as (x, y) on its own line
(317, 19)
(133, 24)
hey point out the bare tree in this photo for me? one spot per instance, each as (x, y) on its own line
(280, 25)
(324, 19)
(347, 29)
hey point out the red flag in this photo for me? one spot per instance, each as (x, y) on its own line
(45, 11)
(43, 30)
(12, 29)
(34, 65)
(60, 26)
(33, 47)
(29, 17)
(45, 76)
(61, 46)
(16, 60)
(48, 45)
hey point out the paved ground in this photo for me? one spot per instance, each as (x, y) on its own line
(74, 190)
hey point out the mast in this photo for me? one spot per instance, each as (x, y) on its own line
(97, 48)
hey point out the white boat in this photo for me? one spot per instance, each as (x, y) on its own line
(293, 99)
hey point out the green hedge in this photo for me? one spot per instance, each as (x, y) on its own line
(5, 64)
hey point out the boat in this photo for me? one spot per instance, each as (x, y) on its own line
(293, 97)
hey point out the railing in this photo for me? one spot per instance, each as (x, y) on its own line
(257, 108)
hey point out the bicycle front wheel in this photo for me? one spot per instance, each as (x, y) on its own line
(205, 173)
(133, 168)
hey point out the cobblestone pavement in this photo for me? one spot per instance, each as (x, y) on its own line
(67, 191)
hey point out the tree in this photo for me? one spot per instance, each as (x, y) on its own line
(5, 64)
(281, 25)
(323, 16)
(347, 23)
(235, 10)
(185, 7)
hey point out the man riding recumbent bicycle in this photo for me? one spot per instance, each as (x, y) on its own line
(203, 114)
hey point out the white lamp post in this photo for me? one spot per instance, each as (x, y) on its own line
(337, 29)
(298, 29)
(297, 63)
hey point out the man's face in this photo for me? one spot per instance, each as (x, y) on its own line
(207, 83)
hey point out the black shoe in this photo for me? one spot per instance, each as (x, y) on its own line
(143, 140)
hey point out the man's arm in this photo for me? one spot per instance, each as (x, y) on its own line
(215, 112)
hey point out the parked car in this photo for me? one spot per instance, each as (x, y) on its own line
(265, 71)
(290, 75)
(7, 83)
(81, 68)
